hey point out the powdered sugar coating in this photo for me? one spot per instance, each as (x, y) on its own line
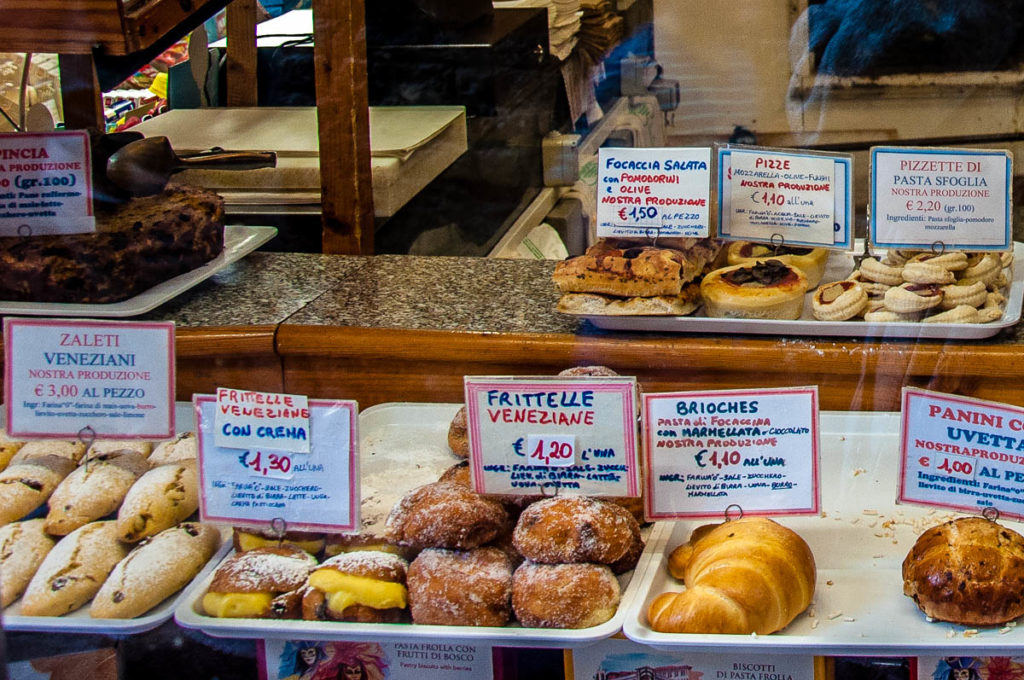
(23, 545)
(182, 447)
(262, 570)
(575, 529)
(564, 595)
(157, 568)
(460, 588)
(370, 563)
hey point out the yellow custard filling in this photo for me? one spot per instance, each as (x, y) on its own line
(236, 605)
(248, 542)
(345, 590)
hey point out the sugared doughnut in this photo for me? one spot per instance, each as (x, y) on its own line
(458, 437)
(575, 529)
(632, 556)
(365, 586)
(460, 587)
(564, 595)
(446, 515)
(246, 584)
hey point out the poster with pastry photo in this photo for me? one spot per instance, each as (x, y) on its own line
(344, 660)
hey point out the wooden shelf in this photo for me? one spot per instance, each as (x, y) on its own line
(112, 27)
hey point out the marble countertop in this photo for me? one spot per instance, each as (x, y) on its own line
(459, 294)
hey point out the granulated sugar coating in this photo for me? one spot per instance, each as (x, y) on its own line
(575, 529)
(460, 588)
(564, 595)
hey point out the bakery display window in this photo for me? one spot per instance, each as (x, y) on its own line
(416, 199)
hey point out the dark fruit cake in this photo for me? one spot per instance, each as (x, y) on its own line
(136, 245)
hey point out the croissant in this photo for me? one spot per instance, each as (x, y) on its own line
(750, 575)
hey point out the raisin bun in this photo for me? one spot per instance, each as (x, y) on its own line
(968, 571)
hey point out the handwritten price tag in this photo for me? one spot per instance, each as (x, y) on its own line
(275, 465)
(552, 450)
(570, 435)
(706, 451)
(640, 216)
(961, 453)
(667, 189)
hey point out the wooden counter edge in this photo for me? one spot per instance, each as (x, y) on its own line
(624, 352)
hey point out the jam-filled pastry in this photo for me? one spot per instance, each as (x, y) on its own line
(953, 261)
(883, 315)
(960, 314)
(839, 301)
(911, 298)
(874, 270)
(984, 267)
(973, 293)
(924, 272)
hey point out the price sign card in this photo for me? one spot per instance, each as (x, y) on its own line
(62, 376)
(626, 659)
(45, 183)
(247, 419)
(653, 192)
(317, 491)
(961, 453)
(800, 199)
(552, 435)
(706, 451)
(957, 197)
(416, 658)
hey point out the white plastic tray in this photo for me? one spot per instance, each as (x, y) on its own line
(401, 446)
(859, 544)
(839, 267)
(239, 241)
(80, 621)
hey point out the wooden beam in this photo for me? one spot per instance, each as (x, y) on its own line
(342, 100)
(241, 64)
(82, 100)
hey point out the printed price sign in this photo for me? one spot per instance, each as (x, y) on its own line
(115, 377)
(552, 435)
(262, 419)
(706, 451)
(803, 198)
(956, 197)
(408, 659)
(45, 183)
(653, 192)
(961, 453)
(318, 491)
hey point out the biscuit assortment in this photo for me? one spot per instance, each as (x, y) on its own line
(947, 287)
(97, 524)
